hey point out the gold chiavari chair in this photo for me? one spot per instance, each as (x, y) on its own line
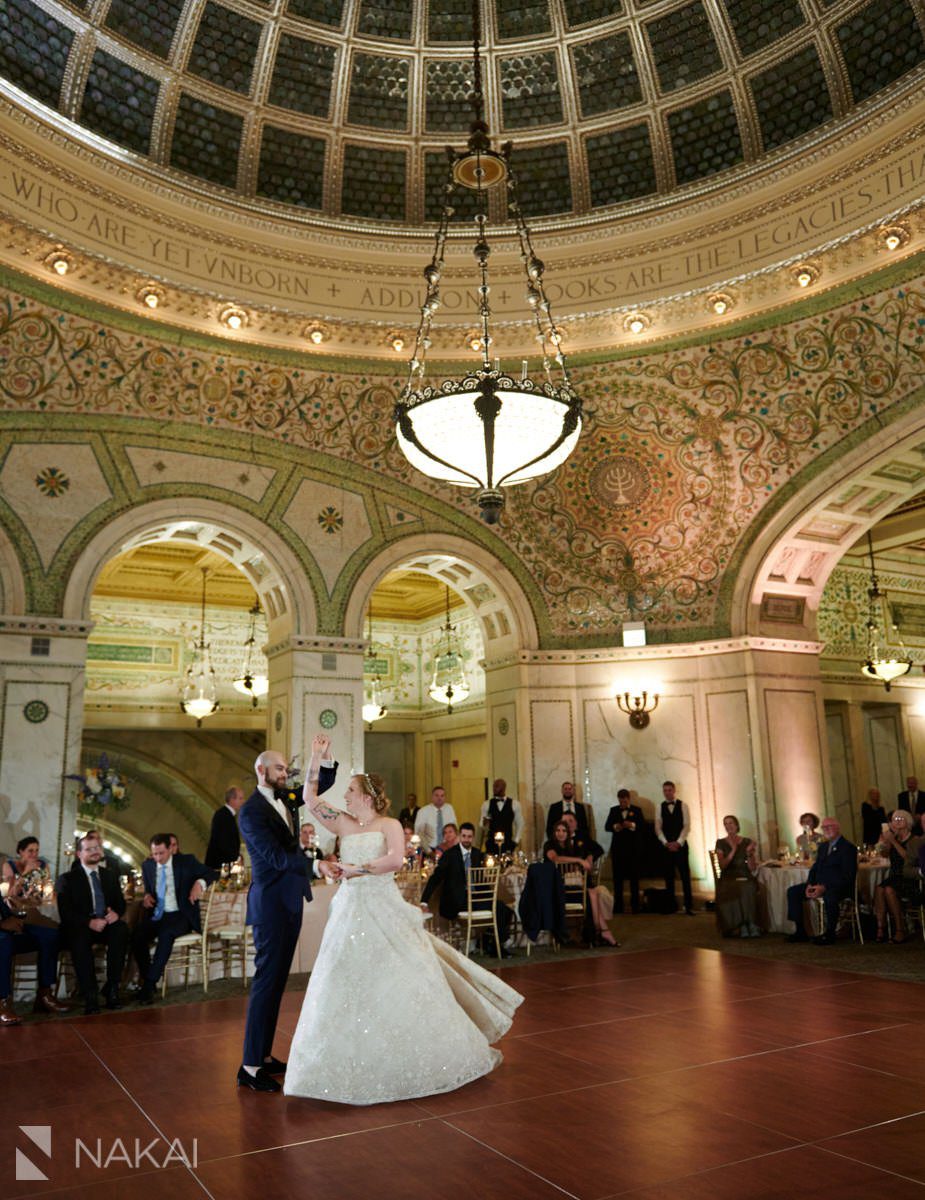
(481, 904)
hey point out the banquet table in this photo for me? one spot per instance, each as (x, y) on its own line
(774, 880)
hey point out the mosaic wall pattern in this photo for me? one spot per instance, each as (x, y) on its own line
(843, 609)
(706, 78)
(681, 452)
(404, 655)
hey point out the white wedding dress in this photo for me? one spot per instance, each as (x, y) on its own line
(391, 1012)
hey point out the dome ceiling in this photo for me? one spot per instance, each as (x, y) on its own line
(342, 108)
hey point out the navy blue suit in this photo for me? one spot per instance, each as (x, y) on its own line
(42, 939)
(280, 885)
(836, 867)
(187, 870)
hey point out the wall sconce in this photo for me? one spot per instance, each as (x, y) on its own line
(637, 707)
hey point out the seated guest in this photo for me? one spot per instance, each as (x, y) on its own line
(831, 879)
(810, 839)
(224, 840)
(586, 848)
(873, 817)
(27, 872)
(450, 838)
(16, 937)
(174, 884)
(450, 877)
(903, 881)
(736, 889)
(91, 907)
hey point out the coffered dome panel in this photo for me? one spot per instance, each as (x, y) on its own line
(342, 108)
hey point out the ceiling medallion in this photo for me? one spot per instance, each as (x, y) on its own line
(316, 333)
(720, 303)
(233, 317)
(151, 295)
(637, 322)
(489, 429)
(894, 236)
(60, 261)
(805, 275)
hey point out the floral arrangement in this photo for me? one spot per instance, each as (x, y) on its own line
(101, 789)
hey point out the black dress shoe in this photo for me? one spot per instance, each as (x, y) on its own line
(797, 937)
(111, 996)
(147, 993)
(273, 1066)
(91, 1006)
(261, 1082)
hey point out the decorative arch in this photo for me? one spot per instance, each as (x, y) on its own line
(12, 582)
(488, 588)
(781, 578)
(252, 546)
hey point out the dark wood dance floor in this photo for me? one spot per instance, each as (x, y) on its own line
(668, 1073)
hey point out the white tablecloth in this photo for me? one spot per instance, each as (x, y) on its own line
(774, 882)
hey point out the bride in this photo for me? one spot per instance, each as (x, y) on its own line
(391, 1012)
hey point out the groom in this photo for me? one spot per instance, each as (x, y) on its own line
(279, 886)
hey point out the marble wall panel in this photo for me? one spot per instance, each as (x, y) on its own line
(795, 749)
(731, 763)
(883, 734)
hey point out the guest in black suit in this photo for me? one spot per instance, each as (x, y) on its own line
(91, 907)
(224, 840)
(913, 801)
(279, 888)
(450, 877)
(626, 824)
(308, 842)
(568, 803)
(174, 884)
(409, 813)
(831, 879)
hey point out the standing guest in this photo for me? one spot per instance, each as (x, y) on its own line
(809, 841)
(913, 801)
(626, 824)
(873, 818)
(174, 884)
(587, 849)
(903, 881)
(174, 843)
(224, 840)
(831, 879)
(450, 877)
(16, 937)
(672, 827)
(308, 840)
(429, 822)
(736, 890)
(501, 814)
(408, 814)
(91, 907)
(567, 804)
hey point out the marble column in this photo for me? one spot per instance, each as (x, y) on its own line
(316, 684)
(42, 676)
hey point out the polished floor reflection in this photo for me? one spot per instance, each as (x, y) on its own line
(656, 1074)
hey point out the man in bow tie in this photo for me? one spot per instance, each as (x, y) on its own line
(672, 826)
(626, 823)
(568, 804)
(279, 888)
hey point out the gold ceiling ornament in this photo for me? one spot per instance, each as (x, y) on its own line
(637, 322)
(805, 274)
(316, 332)
(248, 683)
(233, 317)
(489, 429)
(449, 683)
(199, 696)
(397, 339)
(894, 236)
(721, 303)
(61, 261)
(881, 665)
(151, 295)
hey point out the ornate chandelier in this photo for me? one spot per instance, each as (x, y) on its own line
(247, 683)
(488, 429)
(198, 698)
(373, 707)
(448, 684)
(881, 666)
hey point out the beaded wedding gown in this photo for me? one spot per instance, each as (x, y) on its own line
(391, 1012)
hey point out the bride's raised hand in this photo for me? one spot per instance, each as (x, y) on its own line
(320, 744)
